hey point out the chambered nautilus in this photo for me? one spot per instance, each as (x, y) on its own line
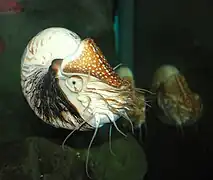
(69, 84)
(180, 105)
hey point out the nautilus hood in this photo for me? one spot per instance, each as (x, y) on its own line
(88, 59)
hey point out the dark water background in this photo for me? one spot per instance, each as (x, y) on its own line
(176, 32)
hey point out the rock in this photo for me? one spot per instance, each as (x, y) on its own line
(129, 162)
(37, 158)
(40, 159)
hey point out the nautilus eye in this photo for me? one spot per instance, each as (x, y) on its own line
(74, 83)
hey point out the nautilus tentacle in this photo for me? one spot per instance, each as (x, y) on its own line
(111, 89)
(180, 105)
(138, 116)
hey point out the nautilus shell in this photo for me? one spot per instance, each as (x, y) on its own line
(68, 82)
(181, 106)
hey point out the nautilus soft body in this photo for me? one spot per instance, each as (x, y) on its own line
(68, 82)
(179, 103)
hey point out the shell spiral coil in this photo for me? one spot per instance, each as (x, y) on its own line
(68, 82)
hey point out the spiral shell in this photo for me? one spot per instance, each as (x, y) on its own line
(68, 82)
(49, 44)
(162, 74)
(180, 105)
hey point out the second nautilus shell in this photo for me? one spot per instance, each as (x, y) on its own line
(179, 104)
